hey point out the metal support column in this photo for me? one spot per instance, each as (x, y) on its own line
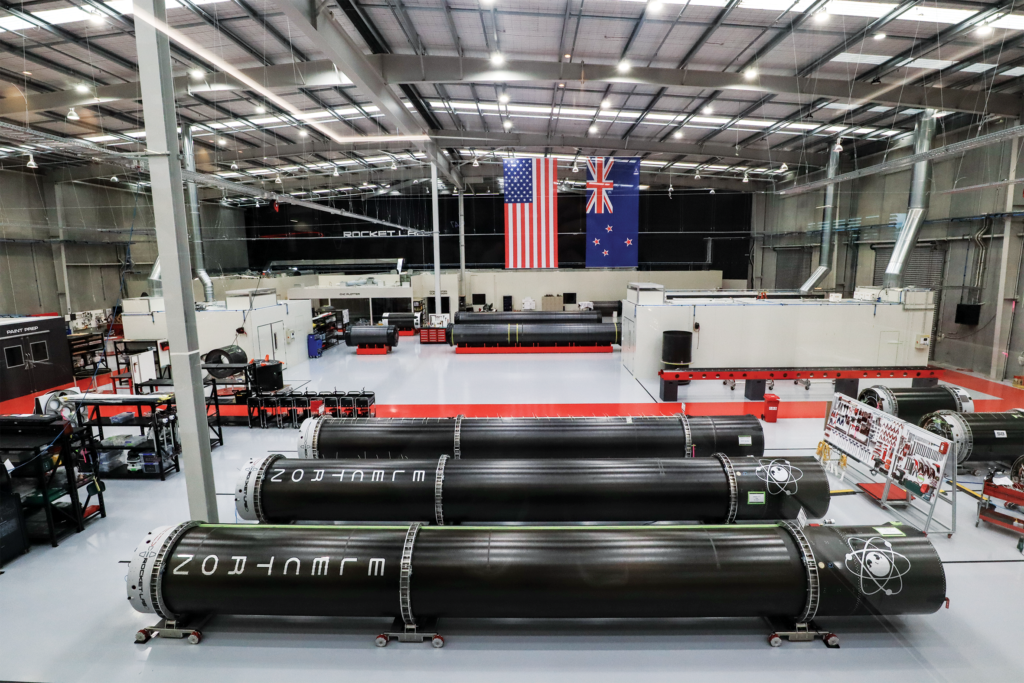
(463, 286)
(1006, 280)
(157, 86)
(437, 238)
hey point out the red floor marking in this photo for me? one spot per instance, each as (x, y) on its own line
(875, 491)
(528, 410)
(533, 349)
(27, 404)
(1011, 396)
(788, 410)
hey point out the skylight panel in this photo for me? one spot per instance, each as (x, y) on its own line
(977, 68)
(930, 64)
(1015, 71)
(860, 58)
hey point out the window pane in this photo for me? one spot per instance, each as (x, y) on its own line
(14, 356)
(39, 351)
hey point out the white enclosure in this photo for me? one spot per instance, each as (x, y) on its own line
(745, 333)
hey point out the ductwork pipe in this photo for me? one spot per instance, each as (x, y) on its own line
(156, 283)
(188, 149)
(920, 192)
(825, 255)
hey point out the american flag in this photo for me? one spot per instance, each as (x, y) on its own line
(531, 213)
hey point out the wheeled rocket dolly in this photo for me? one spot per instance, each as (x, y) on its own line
(423, 632)
(801, 633)
(173, 629)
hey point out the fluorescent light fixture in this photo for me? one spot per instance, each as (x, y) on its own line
(497, 59)
(225, 66)
(568, 56)
(879, 36)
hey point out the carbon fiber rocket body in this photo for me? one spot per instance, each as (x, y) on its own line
(276, 489)
(534, 333)
(535, 572)
(531, 437)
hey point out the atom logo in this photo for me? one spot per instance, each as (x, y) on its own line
(779, 475)
(879, 568)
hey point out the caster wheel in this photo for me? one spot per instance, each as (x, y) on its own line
(732, 388)
(381, 641)
(142, 636)
(807, 388)
(775, 640)
(831, 640)
(437, 641)
(195, 637)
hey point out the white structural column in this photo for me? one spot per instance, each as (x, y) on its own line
(1006, 280)
(437, 238)
(172, 243)
(60, 253)
(463, 285)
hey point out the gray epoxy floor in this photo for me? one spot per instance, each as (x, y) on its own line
(64, 616)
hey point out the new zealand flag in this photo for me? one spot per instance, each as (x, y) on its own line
(613, 209)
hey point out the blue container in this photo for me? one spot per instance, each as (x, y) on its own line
(314, 345)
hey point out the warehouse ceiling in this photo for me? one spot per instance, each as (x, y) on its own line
(743, 93)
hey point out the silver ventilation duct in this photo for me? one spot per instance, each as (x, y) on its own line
(156, 283)
(188, 150)
(825, 256)
(920, 193)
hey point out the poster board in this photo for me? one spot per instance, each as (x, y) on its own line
(910, 456)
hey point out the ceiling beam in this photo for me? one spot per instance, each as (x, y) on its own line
(386, 70)
(530, 140)
(324, 31)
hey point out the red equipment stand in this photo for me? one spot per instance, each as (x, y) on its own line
(368, 350)
(407, 333)
(1010, 495)
(755, 379)
(533, 349)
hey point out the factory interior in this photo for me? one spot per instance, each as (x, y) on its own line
(505, 340)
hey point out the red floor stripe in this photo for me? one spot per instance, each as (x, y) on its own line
(27, 404)
(527, 410)
(1011, 396)
(788, 410)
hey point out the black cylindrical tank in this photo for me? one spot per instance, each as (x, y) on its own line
(378, 335)
(775, 570)
(274, 489)
(526, 317)
(229, 354)
(268, 375)
(546, 333)
(676, 350)
(531, 437)
(403, 321)
(606, 308)
(980, 436)
(910, 404)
